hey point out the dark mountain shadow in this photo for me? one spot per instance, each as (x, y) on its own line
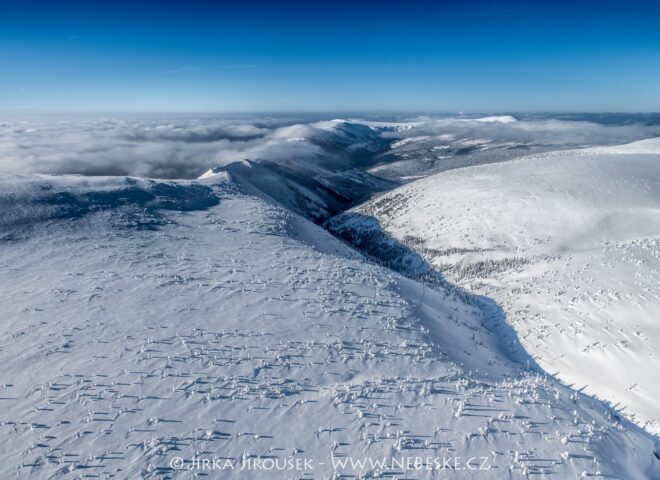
(364, 233)
(137, 202)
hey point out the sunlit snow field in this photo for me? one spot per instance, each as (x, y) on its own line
(250, 288)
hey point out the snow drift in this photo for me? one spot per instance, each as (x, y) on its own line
(241, 330)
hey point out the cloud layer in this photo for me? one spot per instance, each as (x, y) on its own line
(536, 131)
(185, 147)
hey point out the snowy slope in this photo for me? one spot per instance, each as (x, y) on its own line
(322, 173)
(432, 145)
(568, 243)
(309, 189)
(145, 322)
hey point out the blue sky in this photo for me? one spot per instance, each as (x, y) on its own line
(471, 56)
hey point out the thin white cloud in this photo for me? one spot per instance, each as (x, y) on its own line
(238, 65)
(180, 71)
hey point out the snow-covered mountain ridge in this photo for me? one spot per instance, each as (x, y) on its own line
(566, 242)
(149, 325)
(242, 330)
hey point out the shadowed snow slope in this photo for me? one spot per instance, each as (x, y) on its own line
(27, 200)
(310, 190)
(568, 243)
(236, 329)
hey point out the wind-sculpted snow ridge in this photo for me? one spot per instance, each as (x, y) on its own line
(568, 243)
(312, 191)
(237, 333)
(319, 187)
